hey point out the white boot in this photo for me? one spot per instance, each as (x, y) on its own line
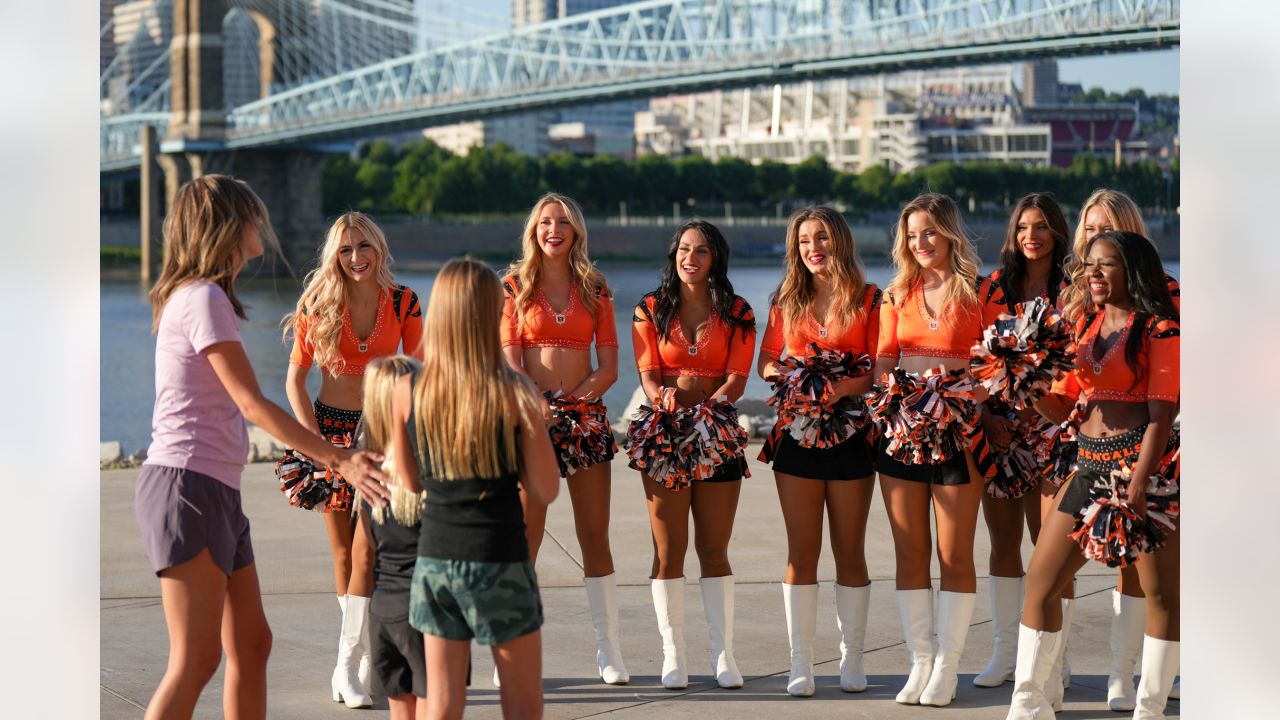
(1036, 649)
(717, 602)
(915, 607)
(801, 605)
(602, 603)
(851, 617)
(345, 683)
(1054, 687)
(668, 605)
(1159, 666)
(955, 610)
(1006, 607)
(1129, 619)
(497, 682)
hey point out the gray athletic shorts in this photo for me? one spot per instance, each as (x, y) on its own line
(181, 512)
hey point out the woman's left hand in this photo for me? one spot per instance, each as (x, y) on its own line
(1137, 499)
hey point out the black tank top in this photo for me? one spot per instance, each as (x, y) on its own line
(476, 519)
(396, 550)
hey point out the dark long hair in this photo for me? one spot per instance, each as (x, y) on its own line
(1014, 263)
(1144, 278)
(668, 293)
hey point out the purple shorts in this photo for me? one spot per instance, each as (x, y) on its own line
(181, 512)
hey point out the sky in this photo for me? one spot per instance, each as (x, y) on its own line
(1154, 71)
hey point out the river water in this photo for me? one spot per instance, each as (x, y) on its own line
(127, 360)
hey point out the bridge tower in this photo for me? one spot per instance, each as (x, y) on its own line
(289, 181)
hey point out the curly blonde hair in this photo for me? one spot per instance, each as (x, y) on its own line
(1122, 214)
(961, 290)
(325, 293)
(528, 268)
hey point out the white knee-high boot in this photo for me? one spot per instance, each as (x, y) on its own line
(852, 604)
(1054, 687)
(1006, 608)
(955, 610)
(602, 604)
(345, 684)
(1128, 621)
(668, 605)
(915, 608)
(717, 602)
(1036, 649)
(801, 605)
(1159, 666)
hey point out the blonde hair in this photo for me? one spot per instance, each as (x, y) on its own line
(469, 402)
(204, 237)
(961, 290)
(528, 269)
(1123, 214)
(848, 278)
(324, 294)
(380, 378)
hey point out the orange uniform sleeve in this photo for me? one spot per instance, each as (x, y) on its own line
(774, 341)
(644, 338)
(993, 302)
(887, 345)
(873, 321)
(411, 329)
(301, 353)
(1176, 291)
(606, 323)
(509, 330)
(742, 343)
(1165, 357)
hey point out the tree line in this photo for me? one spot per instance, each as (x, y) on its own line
(421, 178)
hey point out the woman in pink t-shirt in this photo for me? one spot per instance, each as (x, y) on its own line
(187, 499)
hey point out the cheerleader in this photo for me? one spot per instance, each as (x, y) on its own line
(555, 302)
(694, 340)
(823, 304)
(1113, 210)
(934, 311)
(1127, 370)
(350, 312)
(1032, 260)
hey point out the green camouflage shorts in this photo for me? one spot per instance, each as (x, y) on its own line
(493, 602)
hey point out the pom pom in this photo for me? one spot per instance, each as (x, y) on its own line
(802, 397)
(1021, 467)
(310, 487)
(925, 418)
(580, 433)
(680, 446)
(1110, 531)
(1021, 355)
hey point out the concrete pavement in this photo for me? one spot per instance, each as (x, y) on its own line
(296, 575)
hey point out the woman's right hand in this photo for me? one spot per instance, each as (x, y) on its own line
(362, 469)
(999, 431)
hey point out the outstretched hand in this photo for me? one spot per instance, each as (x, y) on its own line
(361, 469)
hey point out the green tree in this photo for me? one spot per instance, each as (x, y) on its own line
(416, 184)
(773, 181)
(814, 179)
(695, 178)
(338, 185)
(655, 178)
(735, 180)
(874, 185)
(609, 179)
(563, 172)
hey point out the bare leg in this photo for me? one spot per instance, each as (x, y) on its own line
(907, 503)
(247, 640)
(714, 505)
(1005, 518)
(447, 670)
(848, 506)
(535, 523)
(669, 525)
(193, 595)
(337, 523)
(1160, 573)
(1054, 564)
(1129, 583)
(403, 707)
(519, 662)
(1048, 504)
(362, 559)
(801, 500)
(589, 490)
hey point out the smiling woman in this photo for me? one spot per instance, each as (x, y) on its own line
(350, 312)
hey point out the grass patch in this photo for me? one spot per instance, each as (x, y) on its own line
(117, 256)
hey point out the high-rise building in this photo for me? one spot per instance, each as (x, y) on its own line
(1040, 83)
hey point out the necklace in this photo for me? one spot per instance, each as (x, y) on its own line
(823, 332)
(924, 312)
(699, 342)
(1094, 332)
(362, 346)
(562, 316)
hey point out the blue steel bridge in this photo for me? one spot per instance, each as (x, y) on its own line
(259, 87)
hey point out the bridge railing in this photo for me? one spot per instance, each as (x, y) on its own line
(121, 137)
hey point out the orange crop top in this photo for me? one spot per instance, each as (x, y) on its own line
(907, 330)
(1109, 378)
(861, 336)
(720, 351)
(399, 320)
(545, 327)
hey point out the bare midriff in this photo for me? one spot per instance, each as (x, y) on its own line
(693, 389)
(917, 364)
(345, 392)
(555, 369)
(1105, 418)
